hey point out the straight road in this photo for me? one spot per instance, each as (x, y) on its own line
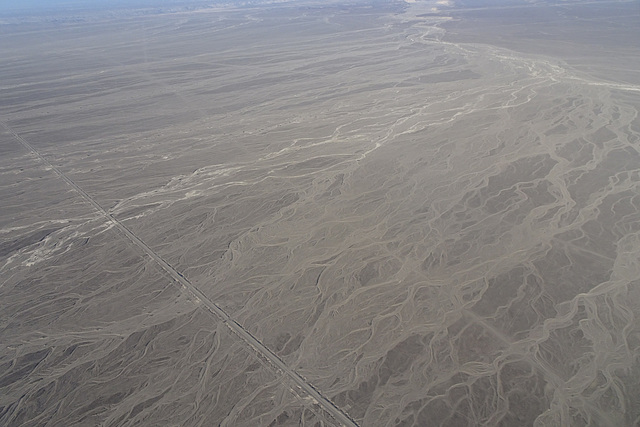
(196, 295)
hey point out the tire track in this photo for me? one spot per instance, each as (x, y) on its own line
(196, 295)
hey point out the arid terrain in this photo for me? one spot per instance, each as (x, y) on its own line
(321, 214)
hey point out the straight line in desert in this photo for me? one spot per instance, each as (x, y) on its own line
(196, 295)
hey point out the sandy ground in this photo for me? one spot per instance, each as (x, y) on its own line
(429, 215)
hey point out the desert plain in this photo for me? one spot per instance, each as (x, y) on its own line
(321, 214)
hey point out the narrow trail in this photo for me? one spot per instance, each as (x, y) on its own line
(196, 295)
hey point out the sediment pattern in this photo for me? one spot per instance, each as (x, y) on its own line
(428, 231)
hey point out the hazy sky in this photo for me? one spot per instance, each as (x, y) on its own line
(48, 4)
(8, 5)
